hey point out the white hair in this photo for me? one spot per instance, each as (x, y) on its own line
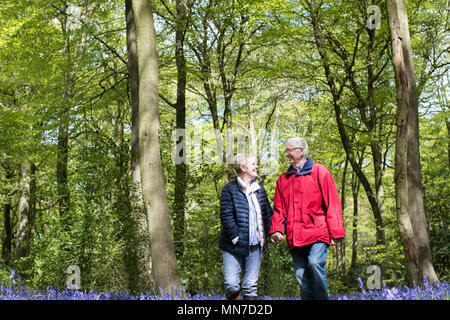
(242, 159)
(300, 142)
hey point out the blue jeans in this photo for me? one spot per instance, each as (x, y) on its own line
(309, 265)
(250, 265)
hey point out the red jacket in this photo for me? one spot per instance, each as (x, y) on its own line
(307, 207)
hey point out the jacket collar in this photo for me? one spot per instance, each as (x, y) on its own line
(307, 168)
(254, 186)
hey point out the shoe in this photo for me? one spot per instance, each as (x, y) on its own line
(234, 296)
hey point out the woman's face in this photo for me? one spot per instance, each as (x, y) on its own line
(250, 169)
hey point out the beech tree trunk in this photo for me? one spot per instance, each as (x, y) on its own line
(154, 194)
(143, 280)
(27, 205)
(408, 172)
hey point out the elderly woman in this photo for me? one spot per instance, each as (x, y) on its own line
(246, 217)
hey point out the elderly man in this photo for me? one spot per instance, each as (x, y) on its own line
(308, 210)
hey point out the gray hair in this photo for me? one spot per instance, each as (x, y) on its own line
(300, 142)
(242, 159)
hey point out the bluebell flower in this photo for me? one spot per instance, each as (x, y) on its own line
(425, 290)
(361, 284)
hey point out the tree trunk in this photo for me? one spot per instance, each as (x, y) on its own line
(228, 154)
(165, 271)
(63, 131)
(7, 226)
(122, 205)
(355, 193)
(144, 278)
(372, 124)
(27, 205)
(378, 169)
(180, 168)
(340, 245)
(7, 237)
(447, 122)
(61, 169)
(408, 173)
(379, 193)
(228, 87)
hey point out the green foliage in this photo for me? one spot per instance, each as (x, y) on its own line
(90, 243)
(437, 190)
(277, 276)
(201, 265)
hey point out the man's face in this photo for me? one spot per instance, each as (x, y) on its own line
(294, 153)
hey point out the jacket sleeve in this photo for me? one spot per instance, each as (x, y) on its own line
(332, 203)
(227, 214)
(267, 215)
(279, 212)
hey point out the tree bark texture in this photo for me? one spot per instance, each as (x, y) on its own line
(181, 168)
(143, 280)
(27, 205)
(63, 131)
(165, 271)
(408, 173)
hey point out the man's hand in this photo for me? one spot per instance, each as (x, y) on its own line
(333, 242)
(276, 237)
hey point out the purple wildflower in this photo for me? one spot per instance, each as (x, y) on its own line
(16, 291)
(361, 284)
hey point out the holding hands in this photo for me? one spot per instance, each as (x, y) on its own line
(276, 237)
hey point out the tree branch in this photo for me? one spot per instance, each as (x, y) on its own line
(173, 105)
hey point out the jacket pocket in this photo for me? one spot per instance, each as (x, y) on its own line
(312, 219)
(317, 220)
(285, 224)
